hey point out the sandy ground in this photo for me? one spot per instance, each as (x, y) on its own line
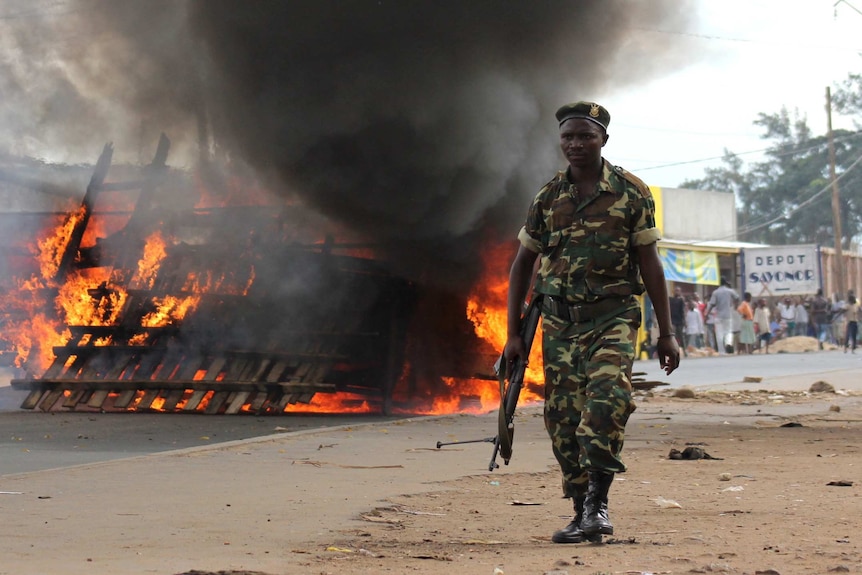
(381, 498)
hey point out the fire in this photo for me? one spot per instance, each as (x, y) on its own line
(169, 310)
(50, 249)
(89, 298)
(148, 267)
(34, 340)
(487, 310)
(341, 402)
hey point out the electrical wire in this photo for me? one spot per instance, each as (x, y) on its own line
(805, 203)
(775, 153)
(756, 223)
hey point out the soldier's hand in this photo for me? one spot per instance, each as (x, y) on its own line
(515, 349)
(668, 353)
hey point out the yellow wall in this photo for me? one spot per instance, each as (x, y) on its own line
(659, 223)
(659, 211)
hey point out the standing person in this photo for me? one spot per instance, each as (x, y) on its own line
(764, 327)
(593, 225)
(746, 331)
(787, 316)
(724, 300)
(801, 317)
(699, 303)
(838, 319)
(709, 326)
(677, 316)
(693, 326)
(820, 317)
(851, 313)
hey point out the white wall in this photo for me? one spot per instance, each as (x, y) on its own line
(698, 214)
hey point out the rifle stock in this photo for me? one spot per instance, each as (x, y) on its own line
(510, 393)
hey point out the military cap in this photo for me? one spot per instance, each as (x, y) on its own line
(586, 110)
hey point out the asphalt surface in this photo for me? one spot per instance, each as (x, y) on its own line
(34, 440)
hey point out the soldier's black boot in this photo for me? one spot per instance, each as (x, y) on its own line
(572, 533)
(595, 521)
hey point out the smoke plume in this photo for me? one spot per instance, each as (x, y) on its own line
(422, 124)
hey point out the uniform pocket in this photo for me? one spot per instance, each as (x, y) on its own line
(609, 254)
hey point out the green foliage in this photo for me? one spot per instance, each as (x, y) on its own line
(786, 199)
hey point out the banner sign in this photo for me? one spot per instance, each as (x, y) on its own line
(688, 266)
(781, 270)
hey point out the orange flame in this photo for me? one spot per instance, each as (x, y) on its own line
(487, 310)
(51, 248)
(88, 298)
(170, 310)
(148, 267)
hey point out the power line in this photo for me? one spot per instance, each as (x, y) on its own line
(770, 149)
(803, 204)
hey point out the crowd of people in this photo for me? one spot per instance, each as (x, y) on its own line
(730, 324)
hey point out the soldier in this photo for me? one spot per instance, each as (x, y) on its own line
(593, 225)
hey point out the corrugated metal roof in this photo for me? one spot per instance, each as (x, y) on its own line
(724, 246)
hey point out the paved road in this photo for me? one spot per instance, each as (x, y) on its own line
(33, 440)
(729, 370)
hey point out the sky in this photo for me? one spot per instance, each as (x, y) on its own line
(757, 56)
(729, 61)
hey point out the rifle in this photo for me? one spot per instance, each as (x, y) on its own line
(509, 394)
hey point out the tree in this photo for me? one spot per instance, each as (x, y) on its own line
(785, 199)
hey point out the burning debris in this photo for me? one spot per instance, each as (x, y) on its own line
(185, 310)
(236, 309)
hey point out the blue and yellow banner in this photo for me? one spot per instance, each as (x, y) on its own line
(688, 266)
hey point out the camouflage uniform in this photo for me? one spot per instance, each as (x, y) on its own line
(589, 276)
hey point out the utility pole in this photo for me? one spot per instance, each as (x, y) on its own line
(838, 263)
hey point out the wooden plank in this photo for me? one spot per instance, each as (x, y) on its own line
(173, 398)
(278, 406)
(148, 398)
(58, 366)
(33, 398)
(98, 398)
(147, 365)
(50, 399)
(74, 398)
(143, 385)
(261, 370)
(259, 401)
(239, 399)
(319, 373)
(194, 400)
(215, 368)
(167, 368)
(276, 371)
(216, 402)
(189, 366)
(125, 398)
(236, 367)
(302, 370)
(293, 398)
(121, 362)
(89, 366)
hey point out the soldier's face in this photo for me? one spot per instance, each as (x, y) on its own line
(581, 142)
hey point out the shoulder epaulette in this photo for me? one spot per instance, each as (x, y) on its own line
(553, 181)
(633, 179)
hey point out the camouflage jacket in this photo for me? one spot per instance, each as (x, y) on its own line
(587, 241)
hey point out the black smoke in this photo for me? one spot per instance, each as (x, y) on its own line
(426, 125)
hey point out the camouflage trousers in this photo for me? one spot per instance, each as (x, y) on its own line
(588, 397)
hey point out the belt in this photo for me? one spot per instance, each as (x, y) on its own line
(586, 311)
